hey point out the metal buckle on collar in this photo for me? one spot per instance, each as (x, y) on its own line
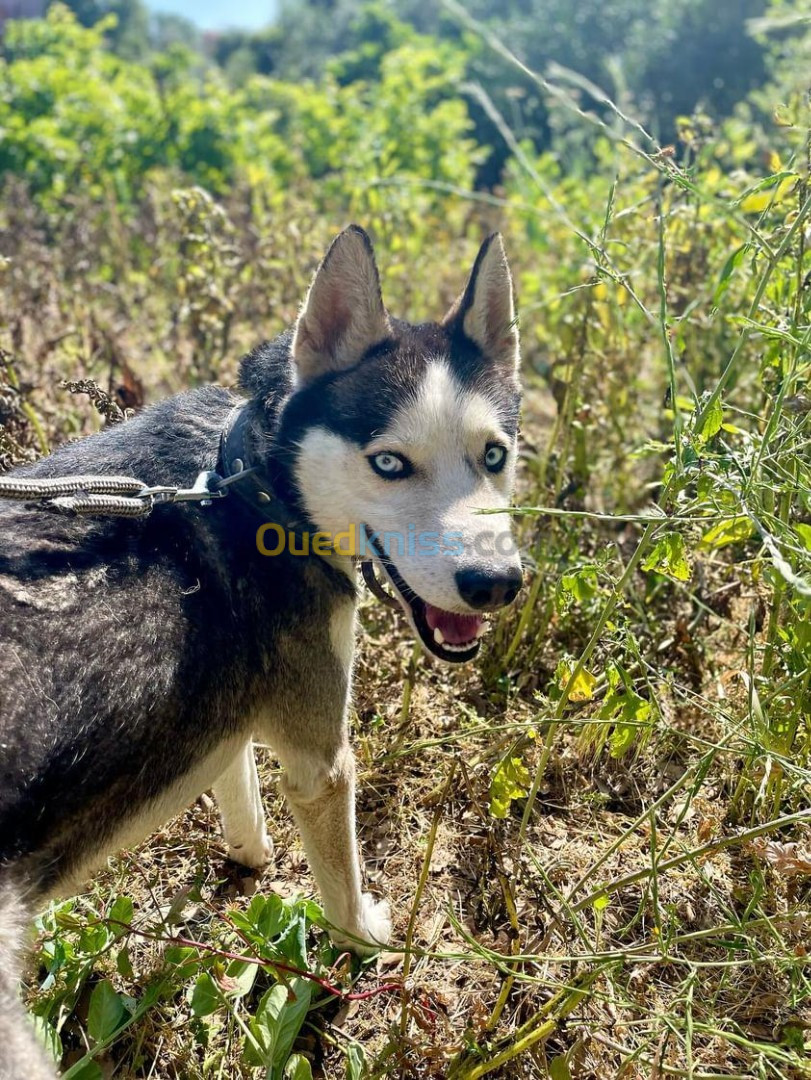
(235, 465)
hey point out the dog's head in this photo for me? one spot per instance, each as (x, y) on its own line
(400, 434)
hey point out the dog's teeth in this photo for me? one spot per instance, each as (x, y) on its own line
(453, 647)
(482, 630)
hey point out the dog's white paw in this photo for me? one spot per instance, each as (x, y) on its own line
(256, 853)
(374, 931)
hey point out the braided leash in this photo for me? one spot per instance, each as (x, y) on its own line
(32, 488)
(114, 505)
(119, 496)
(81, 494)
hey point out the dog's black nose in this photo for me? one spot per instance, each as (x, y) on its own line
(486, 589)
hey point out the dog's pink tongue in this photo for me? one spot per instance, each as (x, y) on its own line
(455, 629)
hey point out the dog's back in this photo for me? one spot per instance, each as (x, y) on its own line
(111, 630)
(95, 629)
(77, 600)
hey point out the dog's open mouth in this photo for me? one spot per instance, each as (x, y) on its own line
(447, 635)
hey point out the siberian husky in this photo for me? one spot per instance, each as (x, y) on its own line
(140, 657)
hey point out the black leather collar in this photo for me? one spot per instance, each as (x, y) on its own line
(249, 481)
(253, 486)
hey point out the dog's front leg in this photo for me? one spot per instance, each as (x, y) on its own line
(243, 816)
(320, 786)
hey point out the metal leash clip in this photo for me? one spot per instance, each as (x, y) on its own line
(208, 485)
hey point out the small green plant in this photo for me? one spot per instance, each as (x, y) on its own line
(255, 966)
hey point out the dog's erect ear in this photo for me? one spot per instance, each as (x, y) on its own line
(485, 312)
(343, 315)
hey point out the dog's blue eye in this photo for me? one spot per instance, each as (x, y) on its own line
(495, 456)
(391, 466)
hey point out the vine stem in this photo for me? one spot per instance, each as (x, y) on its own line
(226, 954)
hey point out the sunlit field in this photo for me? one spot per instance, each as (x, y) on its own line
(596, 838)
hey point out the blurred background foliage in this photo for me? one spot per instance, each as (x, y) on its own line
(108, 88)
(399, 114)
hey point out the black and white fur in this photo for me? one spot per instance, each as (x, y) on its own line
(139, 658)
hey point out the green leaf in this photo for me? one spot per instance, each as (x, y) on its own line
(206, 997)
(243, 973)
(804, 533)
(93, 939)
(106, 1012)
(265, 918)
(622, 739)
(761, 196)
(355, 1062)
(298, 1068)
(730, 266)
(712, 423)
(634, 714)
(265, 1027)
(184, 958)
(510, 781)
(49, 1037)
(792, 1034)
(580, 584)
(290, 1020)
(292, 944)
(733, 530)
(623, 705)
(121, 911)
(668, 556)
(123, 963)
(582, 689)
(559, 1069)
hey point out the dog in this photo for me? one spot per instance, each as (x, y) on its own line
(139, 657)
